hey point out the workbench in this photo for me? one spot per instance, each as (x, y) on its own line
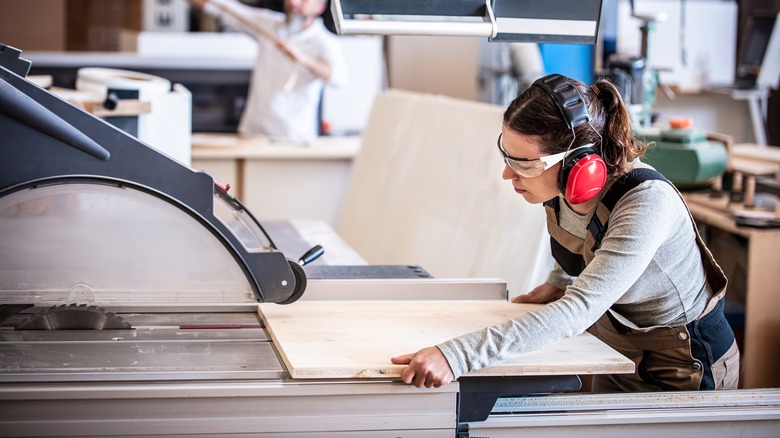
(277, 179)
(761, 349)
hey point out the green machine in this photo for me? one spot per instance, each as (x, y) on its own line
(683, 154)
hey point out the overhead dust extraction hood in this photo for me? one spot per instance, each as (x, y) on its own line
(554, 21)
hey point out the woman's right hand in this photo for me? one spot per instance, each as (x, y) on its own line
(542, 294)
(428, 367)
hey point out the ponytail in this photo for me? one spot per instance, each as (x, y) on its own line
(619, 146)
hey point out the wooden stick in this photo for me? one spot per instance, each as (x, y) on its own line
(293, 78)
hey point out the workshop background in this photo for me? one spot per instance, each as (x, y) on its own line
(461, 67)
(145, 246)
(696, 50)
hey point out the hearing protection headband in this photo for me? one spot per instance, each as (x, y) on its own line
(567, 97)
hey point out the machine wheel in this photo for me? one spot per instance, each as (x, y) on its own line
(300, 282)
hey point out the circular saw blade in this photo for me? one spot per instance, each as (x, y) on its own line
(74, 317)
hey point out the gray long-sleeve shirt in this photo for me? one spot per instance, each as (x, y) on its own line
(648, 269)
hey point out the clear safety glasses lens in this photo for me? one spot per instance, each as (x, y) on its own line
(528, 168)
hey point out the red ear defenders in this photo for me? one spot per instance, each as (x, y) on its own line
(583, 172)
(582, 176)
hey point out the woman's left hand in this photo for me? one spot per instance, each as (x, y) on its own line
(428, 367)
(542, 294)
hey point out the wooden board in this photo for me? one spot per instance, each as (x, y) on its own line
(356, 339)
(426, 190)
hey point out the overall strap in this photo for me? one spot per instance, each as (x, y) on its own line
(598, 224)
(573, 254)
(566, 248)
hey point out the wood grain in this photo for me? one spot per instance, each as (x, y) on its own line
(356, 339)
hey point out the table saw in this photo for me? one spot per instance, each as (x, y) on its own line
(129, 291)
(129, 286)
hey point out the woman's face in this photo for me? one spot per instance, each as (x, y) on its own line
(304, 8)
(535, 190)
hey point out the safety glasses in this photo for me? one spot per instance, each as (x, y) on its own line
(528, 168)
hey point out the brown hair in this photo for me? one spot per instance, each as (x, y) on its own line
(534, 112)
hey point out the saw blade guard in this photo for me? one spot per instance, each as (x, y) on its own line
(107, 244)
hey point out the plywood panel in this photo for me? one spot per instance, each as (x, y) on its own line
(426, 190)
(356, 339)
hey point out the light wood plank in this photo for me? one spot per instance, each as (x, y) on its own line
(356, 339)
(220, 146)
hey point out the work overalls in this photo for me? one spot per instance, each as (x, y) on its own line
(702, 354)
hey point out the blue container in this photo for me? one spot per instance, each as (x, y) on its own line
(572, 60)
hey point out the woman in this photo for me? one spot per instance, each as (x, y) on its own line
(629, 262)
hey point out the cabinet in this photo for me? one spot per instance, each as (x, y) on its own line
(280, 180)
(760, 258)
